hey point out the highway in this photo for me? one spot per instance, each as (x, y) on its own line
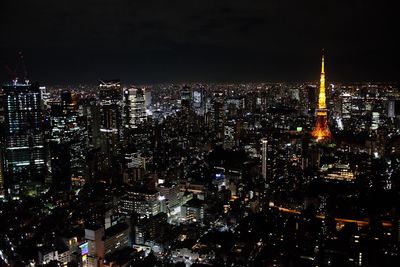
(340, 220)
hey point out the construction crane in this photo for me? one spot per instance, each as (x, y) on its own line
(19, 70)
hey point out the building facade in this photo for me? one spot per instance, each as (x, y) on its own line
(23, 137)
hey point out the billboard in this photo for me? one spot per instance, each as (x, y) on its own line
(84, 248)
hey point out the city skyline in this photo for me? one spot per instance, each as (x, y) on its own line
(197, 133)
(95, 176)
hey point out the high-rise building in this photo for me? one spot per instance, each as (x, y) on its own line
(230, 134)
(1, 175)
(186, 97)
(110, 119)
(23, 139)
(217, 114)
(67, 142)
(134, 107)
(264, 150)
(110, 91)
(197, 98)
(91, 113)
(338, 172)
(346, 105)
(147, 97)
(311, 97)
(45, 97)
(321, 131)
(135, 166)
(144, 202)
(110, 101)
(391, 109)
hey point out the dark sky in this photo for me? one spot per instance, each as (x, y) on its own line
(209, 40)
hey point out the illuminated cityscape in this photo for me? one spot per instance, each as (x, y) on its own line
(203, 134)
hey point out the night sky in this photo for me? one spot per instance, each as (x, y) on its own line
(210, 40)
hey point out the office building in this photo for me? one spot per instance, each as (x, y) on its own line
(264, 157)
(134, 108)
(23, 139)
(110, 96)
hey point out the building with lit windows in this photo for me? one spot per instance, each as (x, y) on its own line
(23, 139)
(67, 142)
(171, 193)
(1, 176)
(216, 116)
(110, 96)
(193, 211)
(142, 201)
(149, 229)
(346, 105)
(230, 135)
(339, 172)
(52, 255)
(135, 166)
(115, 237)
(101, 242)
(134, 107)
(264, 157)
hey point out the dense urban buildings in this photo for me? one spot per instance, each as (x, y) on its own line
(199, 133)
(237, 174)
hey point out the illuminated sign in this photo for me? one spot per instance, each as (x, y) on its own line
(84, 248)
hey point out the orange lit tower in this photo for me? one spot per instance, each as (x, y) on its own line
(321, 130)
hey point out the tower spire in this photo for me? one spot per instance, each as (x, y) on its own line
(321, 130)
(322, 97)
(323, 63)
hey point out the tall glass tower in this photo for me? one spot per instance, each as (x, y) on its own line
(110, 94)
(134, 107)
(22, 147)
(264, 158)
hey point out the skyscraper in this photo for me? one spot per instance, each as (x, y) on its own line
(217, 114)
(134, 107)
(23, 139)
(264, 149)
(110, 105)
(1, 175)
(321, 131)
(67, 141)
(110, 99)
